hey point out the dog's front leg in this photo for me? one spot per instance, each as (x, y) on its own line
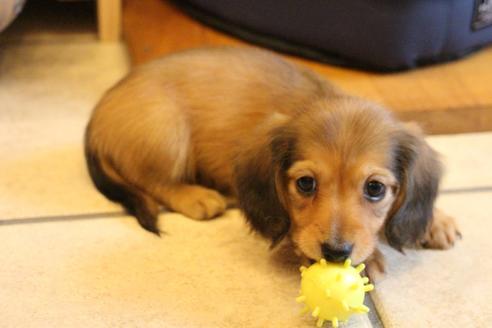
(442, 232)
(375, 266)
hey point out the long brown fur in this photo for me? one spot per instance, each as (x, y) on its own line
(193, 128)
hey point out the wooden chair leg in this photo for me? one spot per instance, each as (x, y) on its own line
(109, 20)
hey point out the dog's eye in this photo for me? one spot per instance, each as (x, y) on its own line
(306, 185)
(374, 190)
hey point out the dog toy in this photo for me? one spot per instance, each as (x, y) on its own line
(333, 291)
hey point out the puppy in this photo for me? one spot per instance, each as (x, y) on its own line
(303, 159)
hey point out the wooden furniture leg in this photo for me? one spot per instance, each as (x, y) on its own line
(109, 20)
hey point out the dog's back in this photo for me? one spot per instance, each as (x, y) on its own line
(185, 117)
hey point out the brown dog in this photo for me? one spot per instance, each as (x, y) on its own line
(303, 159)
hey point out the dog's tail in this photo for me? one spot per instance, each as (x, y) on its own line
(115, 188)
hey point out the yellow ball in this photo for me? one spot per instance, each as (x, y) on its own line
(332, 291)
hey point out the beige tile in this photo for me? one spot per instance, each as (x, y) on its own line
(43, 173)
(467, 159)
(443, 288)
(47, 91)
(111, 273)
(53, 81)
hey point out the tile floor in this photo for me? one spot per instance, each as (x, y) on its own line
(71, 258)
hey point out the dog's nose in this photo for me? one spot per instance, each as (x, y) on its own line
(336, 254)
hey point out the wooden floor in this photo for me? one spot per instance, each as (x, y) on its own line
(449, 98)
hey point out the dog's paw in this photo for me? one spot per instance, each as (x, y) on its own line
(375, 266)
(202, 204)
(442, 233)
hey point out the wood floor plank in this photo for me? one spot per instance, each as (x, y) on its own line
(447, 98)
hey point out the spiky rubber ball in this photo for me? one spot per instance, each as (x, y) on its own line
(332, 291)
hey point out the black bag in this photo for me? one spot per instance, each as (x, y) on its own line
(383, 35)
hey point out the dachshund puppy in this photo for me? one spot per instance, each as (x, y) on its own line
(304, 160)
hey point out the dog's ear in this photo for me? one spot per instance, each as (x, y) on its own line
(418, 170)
(260, 180)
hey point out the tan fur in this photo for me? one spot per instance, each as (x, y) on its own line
(176, 128)
(341, 163)
(443, 232)
(170, 116)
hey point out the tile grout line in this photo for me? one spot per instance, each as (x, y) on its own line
(466, 190)
(373, 315)
(102, 215)
(64, 218)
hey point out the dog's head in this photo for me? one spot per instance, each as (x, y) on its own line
(335, 176)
